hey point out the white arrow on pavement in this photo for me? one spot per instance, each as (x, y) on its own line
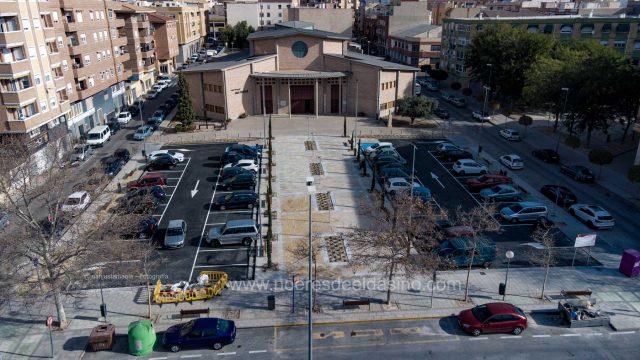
(435, 177)
(195, 189)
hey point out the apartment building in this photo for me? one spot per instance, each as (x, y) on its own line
(261, 14)
(216, 20)
(190, 23)
(416, 45)
(337, 20)
(166, 41)
(620, 33)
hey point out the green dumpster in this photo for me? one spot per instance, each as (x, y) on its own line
(142, 337)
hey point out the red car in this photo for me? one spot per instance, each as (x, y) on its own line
(493, 318)
(486, 181)
(150, 179)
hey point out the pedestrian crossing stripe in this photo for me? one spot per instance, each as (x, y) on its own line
(367, 332)
(332, 334)
(406, 331)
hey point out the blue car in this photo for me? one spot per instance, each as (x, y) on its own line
(204, 332)
(422, 193)
(158, 116)
(143, 132)
(246, 150)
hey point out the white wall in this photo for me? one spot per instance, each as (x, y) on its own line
(237, 12)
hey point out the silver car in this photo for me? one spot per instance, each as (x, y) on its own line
(176, 233)
(233, 232)
(524, 211)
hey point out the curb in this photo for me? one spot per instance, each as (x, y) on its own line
(338, 322)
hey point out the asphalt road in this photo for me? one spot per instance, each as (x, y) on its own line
(410, 339)
(538, 173)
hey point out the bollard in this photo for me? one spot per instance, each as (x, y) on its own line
(271, 302)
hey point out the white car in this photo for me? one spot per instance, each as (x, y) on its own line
(158, 88)
(174, 154)
(393, 185)
(513, 162)
(445, 146)
(592, 215)
(248, 164)
(510, 134)
(481, 115)
(152, 94)
(380, 145)
(468, 167)
(76, 202)
(124, 117)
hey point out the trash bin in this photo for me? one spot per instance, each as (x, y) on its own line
(102, 337)
(630, 263)
(502, 288)
(271, 302)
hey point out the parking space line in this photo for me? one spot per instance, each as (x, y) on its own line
(478, 338)
(168, 171)
(570, 335)
(219, 265)
(227, 353)
(257, 351)
(541, 336)
(190, 356)
(510, 337)
(171, 197)
(623, 333)
(195, 258)
(173, 178)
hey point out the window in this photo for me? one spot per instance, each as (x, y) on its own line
(548, 29)
(60, 41)
(279, 6)
(532, 28)
(566, 29)
(43, 105)
(604, 42)
(83, 39)
(95, 37)
(37, 79)
(98, 56)
(26, 111)
(622, 28)
(36, 23)
(47, 77)
(110, 12)
(299, 49)
(65, 65)
(636, 45)
(32, 52)
(606, 28)
(26, 25)
(586, 29)
(87, 60)
(91, 15)
(54, 102)
(43, 50)
(54, 16)
(78, 15)
(436, 47)
(620, 44)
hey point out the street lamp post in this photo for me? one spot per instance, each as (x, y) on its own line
(311, 189)
(484, 107)
(509, 256)
(413, 171)
(564, 111)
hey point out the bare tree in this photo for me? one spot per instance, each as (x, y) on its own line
(48, 248)
(545, 236)
(300, 253)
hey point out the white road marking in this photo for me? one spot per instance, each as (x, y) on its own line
(195, 189)
(213, 224)
(623, 332)
(170, 178)
(171, 198)
(170, 171)
(510, 337)
(571, 335)
(227, 353)
(257, 351)
(190, 356)
(158, 358)
(204, 228)
(594, 334)
(541, 336)
(478, 338)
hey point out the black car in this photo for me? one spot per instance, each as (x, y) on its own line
(123, 154)
(156, 191)
(231, 157)
(559, 194)
(233, 171)
(111, 165)
(391, 165)
(388, 158)
(578, 172)
(153, 124)
(114, 126)
(134, 110)
(161, 163)
(56, 227)
(441, 113)
(245, 150)
(169, 104)
(546, 155)
(174, 97)
(164, 108)
(240, 181)
(453, 155)
(391, 173)
(236, 200)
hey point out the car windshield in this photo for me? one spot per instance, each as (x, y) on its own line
(72, 201)
(514, 133)
(605, 217)
(123, 115)
(94, 136)
(481, 313)
(186, 328)
(140, 131)
(519, 311)
(516, 161)
(174, 231)
(171, 152)
(483, 178)
(223, 326)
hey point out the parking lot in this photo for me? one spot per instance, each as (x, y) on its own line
(191, 187)
(448, 191)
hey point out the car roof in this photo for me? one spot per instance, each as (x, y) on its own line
(397, 179)
(244, 192)
(505, 186)
(530, 203)
(77, 194)
(241, 222)
(150, 175)
(500, 308)
(469, 161)
(175, 223)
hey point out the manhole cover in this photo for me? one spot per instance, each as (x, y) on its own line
(324, 201)
(336, 250)
(310, 145)
(316, 169)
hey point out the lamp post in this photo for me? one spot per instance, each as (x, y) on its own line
(509, 254)
(368, 47)
(413, 171)
(311, 189)
(484, 107)
(144, 139)
(564, 109)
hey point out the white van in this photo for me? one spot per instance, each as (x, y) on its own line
(98, 135)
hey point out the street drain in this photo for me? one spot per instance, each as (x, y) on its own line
(324, 201)
(316, 169)
(310, 145)
(336, 250)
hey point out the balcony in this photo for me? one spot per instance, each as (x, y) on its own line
(17, 97)
(11, 37)
(123, 57)
(117, 23)
(49, 32)
(119, 41)
(143, 24)
(148, 53)
(15, 67)
(81, 71)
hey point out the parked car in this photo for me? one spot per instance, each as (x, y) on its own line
(510, 134)
(448, 97)
(249, 164)
(169, 104)
(114, 126)
(152, 94)
(156, 191)
(382, 175)
(392, 165)
(441, 113)
(81, 152)
(419, 192)
(164, 109)
(431, 86)
(481, 115)
(500, 193)
(123, 154)
(384, 152)
(124, 117)
(174, 154)
(443, 147)
(578, 173)
(174, 97)
(146, 229)
(239, 181)
(133, 110)
(161, 162)
(158, 87)
(392, 185)
(458, 102)
(236, 200)
(158, 116)
(486, 181)
(143, 132)
(111, 165)
(381, 145)
(149, 179)
(231, 157)
(513, 162)
(243, 149)
(592, 215)
(176, 234)
(559, 195)
(458, 154)
(468, 167)
(388, 158)
(200, 333)
(76, 202)
(138, 205)
(524, 211)
(493, 318)
(232, 171)
(456, 251)
(233, 232)
(55, 228)
(546, 155)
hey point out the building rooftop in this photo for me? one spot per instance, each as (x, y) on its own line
(302, 74)
(288, 31)
(295, 24)
(227, 62)
(420, 30)
(552, 17)
(374, 61)
(130, 8)
(159, 18)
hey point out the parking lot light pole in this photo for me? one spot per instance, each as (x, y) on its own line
(484, 110)
(311, 189)
(564, 112)
(509, 254)
(413, 171)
